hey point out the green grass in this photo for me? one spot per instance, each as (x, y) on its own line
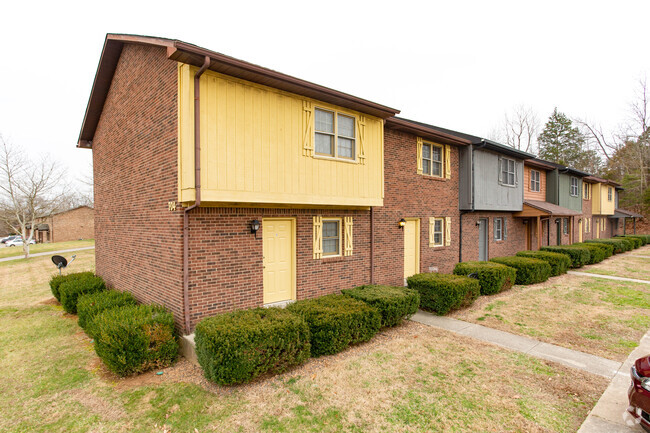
(43, 248)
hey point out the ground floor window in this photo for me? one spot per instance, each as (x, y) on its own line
(331, 237)
(565, 226)
(499, 229)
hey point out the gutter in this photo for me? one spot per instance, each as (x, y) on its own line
(197, 192)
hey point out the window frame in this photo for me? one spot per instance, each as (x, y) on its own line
(507, 162)
(571, 186)
(499, 229)
(440, 162)
(336, 135)
(585, 191)
(442, 232)
(610, 195)
(339, 236)
(533, 181)
(565, 226)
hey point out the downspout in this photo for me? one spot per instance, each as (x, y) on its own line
(372, 245)
(197, 192)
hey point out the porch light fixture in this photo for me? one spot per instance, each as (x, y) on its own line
(402, 223)
(255, 226)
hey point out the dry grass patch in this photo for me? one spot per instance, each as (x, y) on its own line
(622, 266)
(602, 317)
(43, 248)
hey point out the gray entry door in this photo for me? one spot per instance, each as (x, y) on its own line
(483, 239)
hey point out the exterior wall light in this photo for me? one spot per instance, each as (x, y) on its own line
(255, 226)
(401, 223)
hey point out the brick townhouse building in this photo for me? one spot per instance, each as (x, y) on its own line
(69, 225)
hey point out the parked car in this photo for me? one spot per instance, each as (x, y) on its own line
(17, 242)
(639, 392)
(8, 238)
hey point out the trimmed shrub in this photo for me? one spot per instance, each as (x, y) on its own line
(92, 304)
(135, 338)
(579, 256)
(559, 262)
(618, 244)
(636, 240)
(393, 303)
(529, 271)
(336, 322)
(492, 277)
(597, 254)
(237, 347)
(57, 280)
(607, 249)
(629, 243)
(441, 293)
(71, 290)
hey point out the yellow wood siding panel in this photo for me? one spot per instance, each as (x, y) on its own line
(600, 205)
(348, 236)
(257, 146)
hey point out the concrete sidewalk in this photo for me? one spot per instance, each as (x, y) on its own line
(48, 253)
(571, 358)
(610, 415)
(607, 277)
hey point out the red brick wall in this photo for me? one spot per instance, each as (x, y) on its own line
(586, 213)
(226, 259)
(71, 225)
(411, 195)
(515, 241)
(139, 243)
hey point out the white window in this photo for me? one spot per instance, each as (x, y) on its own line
(331, 237)
(507, 171)
(585, 187)
(574, 187)
(431, 159)
(534, 181)
(609, 193)
(438, 227)
(334, 134)
(498, 229)
(565, 226)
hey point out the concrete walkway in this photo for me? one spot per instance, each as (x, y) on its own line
(608, 277)
(610, 415)
(637, 256)
(6, 259)
(571, 358)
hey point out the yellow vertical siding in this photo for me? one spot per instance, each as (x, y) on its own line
(253, 148)
(600, 205)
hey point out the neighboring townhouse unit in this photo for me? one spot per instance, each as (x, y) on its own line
(603, 206)
(588, 230)
(540, 217)
(420, 215)
(69, 225)
(255, 188)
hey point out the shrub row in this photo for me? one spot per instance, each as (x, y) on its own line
(529, 271)
(579, 256)
(442, 293)
(393, 303)
(492, 277)
(596, 252)
(129, 338)
(620, 246)
(638, 241)
(558, 262)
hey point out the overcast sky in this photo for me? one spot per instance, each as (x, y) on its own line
(459, 65)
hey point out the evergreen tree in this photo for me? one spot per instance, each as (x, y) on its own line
(563, 143)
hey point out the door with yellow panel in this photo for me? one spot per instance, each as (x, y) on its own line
(580, 230)
(279, 259)
(411, 247)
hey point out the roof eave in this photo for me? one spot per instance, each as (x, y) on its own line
(427, 133)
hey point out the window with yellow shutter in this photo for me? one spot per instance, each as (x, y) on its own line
(439, 231)
(333, 237)
(433, 159)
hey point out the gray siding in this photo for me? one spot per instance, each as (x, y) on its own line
(566, 199)
(465, 181)
(490, 194)
(551, 187)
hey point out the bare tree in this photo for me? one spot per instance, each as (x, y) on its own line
(520, 128)
(28, 190)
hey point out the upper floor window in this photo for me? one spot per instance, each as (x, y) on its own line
(574, 187)
(585, 187)
(534, 181)
(431, 159)
(507, 171)
(609, 193)
(334, 134)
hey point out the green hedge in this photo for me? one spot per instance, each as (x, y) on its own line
(607, 249)
(629, 243)
(135, 338)
(492, 277)
(637, 240)
(579, 256)
(529, 271)
(644, 238)
(393, 303)
(240, 346)
(596, 252)
(72, 289)
(442, 293)
(619, 245)
(57, 280)
(92, 304)
(336, 322)
(559, 262)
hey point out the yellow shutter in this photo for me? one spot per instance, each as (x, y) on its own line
(361, 128)
(447, 161)
(447, 231)
(432, 226)
(307, 128)
(419, 155)
(348, 236)
(318, 237)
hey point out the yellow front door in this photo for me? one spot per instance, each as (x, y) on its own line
(597, 228)
(580, 231)
(411, 247)
(279, 260)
